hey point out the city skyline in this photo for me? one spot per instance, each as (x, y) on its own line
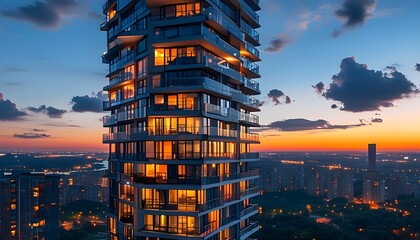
(57, 93)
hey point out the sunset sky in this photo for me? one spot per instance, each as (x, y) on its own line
(351, 69)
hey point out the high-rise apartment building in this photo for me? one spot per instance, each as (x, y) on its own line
(373, 182)
(180, 95)
(372, 157)
(29, 206)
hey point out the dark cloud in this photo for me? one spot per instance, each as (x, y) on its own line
(319, 87)
(277, 44)
(334, 106)
(14, 69)
(300, 124)
(39, 130)
(31, 135)
(354, 13)
(288, 100)
(8, 110)
(359, 89)
(88, 103)
(61, 125)
(276, 96)
(417, 67)
(377, 120)
(46, 14)
(50, 111)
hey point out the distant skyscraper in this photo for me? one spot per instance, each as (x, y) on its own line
(372, 157)
(181, 86)
(373, 182)
(29, 206)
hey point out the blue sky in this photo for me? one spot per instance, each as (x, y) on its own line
(49, 65)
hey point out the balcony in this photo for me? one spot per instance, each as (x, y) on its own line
(249, 230)
(138, 134)
(123, 116)
(107, 5)
(121, 62)
(252, 137)
(249, 14)
(250, 68)
(250, 191)
(254, 155)
(248, 103)
(222, 23)
(250, 173)
(230, 113)
(251, 86)
(251, 208)
(194, 84)
(107, 105)
(162, 178)
(251, 35)
(196, 36)
(122, 77)
(251, 52)
(249, 119)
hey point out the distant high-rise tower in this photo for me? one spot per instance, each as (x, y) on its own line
(372, 157)
(373, 182)
(29, 206)
(181, 86)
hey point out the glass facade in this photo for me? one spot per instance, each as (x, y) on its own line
(181, 86)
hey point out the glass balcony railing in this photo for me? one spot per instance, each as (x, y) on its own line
(253, 155)
(251, 118)
(162, 178)
(252, 227)
(249, 209)
(122, 77)
(124, 116)
(251, 84)
(200, 82)
(250, 137)
(251, 49)
(138, 133)
(251, 66)
(249, 191)
(250, 173)
(250, 31)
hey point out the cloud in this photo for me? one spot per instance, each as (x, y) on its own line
(39, 130)
(354, 13)
(14, 69)
(47, 14)
(8, 110)
(300, 124)
(417, 67)
(276, 96)
(50, 111)
(88, 103)
(377, 120)
(277, 44)
(334, 106)
(61, 125)
(360, 89)
(319, 87)
(31, 135)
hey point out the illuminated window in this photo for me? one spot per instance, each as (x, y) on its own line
(159, 57)
(159, 99)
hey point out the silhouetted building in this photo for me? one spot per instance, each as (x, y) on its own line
(340, 184)
(84, 185)
(395, 185)
(372, 157)
(291, 176)
(316, 182)
(373, 187)
(29, 206)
